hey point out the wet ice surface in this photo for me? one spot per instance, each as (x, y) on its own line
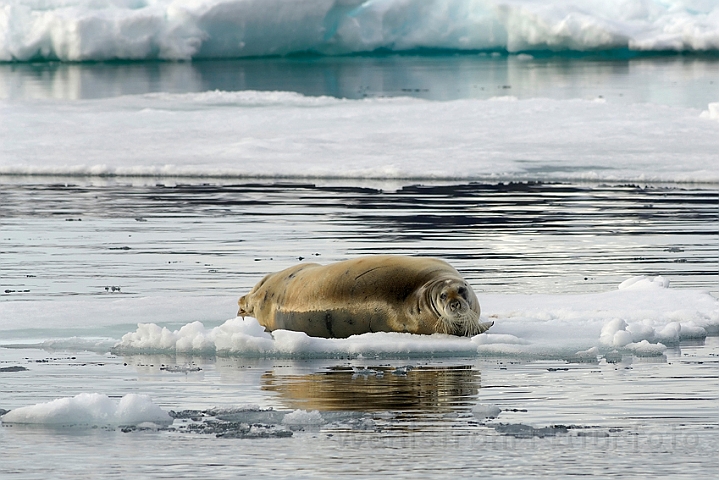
(94, 245)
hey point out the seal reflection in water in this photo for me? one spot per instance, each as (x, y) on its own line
(381, 293)
(420, 389)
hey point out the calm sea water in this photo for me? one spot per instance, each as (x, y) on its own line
(219, 238)
(75, 237)
(691, 81)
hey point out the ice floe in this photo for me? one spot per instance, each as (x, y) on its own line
(643, 316)
(90, 409)
(287, 135)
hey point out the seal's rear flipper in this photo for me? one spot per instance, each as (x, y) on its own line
(484, 326)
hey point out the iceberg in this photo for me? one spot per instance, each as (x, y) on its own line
(96, 30)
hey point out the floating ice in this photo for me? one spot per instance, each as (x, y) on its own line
(181, 368)
(645, 349)
(80, 30)
(640, 331)
(642, 317)
(246, 337)
(90, 409)
(532, 325)
(642, 338)
(712, 111)
(615, 334)
(691, 331)
(589, 354)
(49, 315)
(486, 411)
(643, 281)
(519, 430)
(303, 417)
(493, 338)
(669, 334)
(286, 135)
(79, 343)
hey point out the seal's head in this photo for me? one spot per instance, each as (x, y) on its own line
(456, 307)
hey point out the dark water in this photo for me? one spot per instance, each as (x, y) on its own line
(62, 239)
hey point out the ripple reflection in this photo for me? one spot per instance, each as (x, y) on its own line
(376, 389)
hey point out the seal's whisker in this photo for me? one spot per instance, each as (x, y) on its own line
(466, 325)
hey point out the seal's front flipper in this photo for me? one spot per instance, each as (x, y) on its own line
(245, 310)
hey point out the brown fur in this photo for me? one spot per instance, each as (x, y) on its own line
(382, 293)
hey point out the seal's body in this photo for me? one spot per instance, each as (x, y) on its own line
(382, 293)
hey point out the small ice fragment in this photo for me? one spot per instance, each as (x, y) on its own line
(583, 356)
(181, 368)
(646, 349)
(712, 112)
(643, 282)
(402, 371)
(612, 333)
(483, 410)
(303, 417)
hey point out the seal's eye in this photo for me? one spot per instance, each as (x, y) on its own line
(462, 291)
(443, 296)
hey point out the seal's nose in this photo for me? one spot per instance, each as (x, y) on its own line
(455, 305)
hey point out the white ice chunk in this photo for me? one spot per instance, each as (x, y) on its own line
(712, 111)
(641, 331)
(645, 349)
(497, 338)
(90, 409)
(670, 334)
(691, 331)
(643, 281)
(614, 333)
(303, 417)
(588, 353)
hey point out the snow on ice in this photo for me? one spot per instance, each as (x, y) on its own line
(287, 135)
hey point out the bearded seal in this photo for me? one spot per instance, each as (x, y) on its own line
(381, 293)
